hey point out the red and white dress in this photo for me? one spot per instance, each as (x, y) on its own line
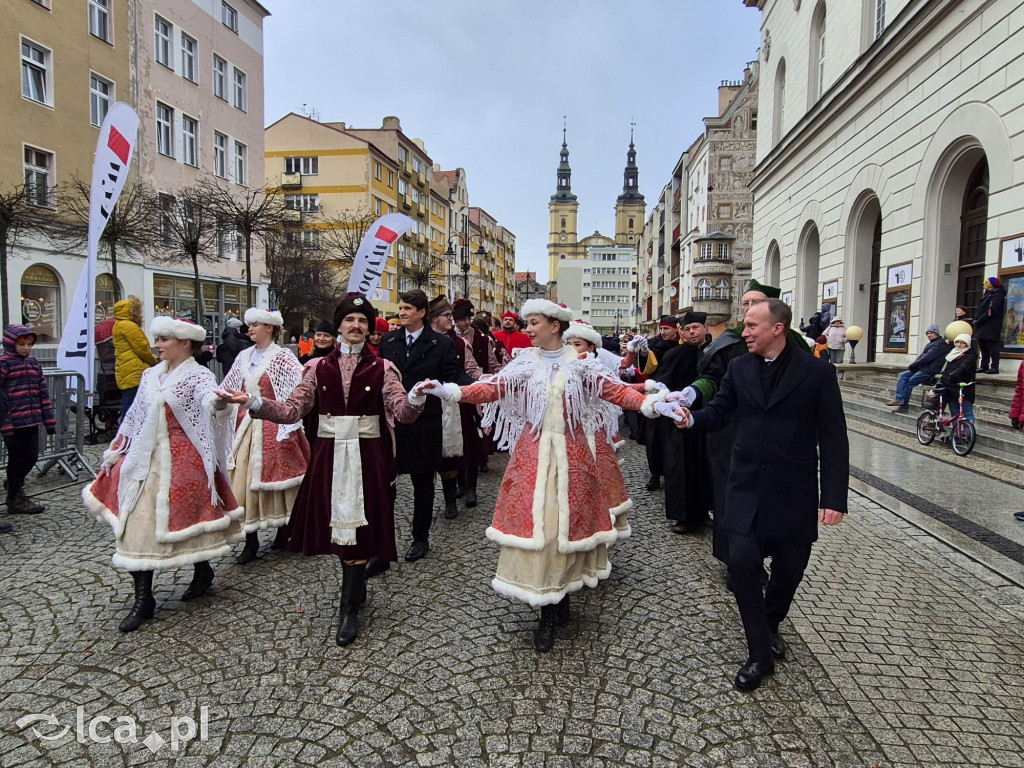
(267, 461)
(552, 514)
(165, 490)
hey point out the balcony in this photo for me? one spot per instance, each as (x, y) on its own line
(675, 234)
(421, 210)
(291, 215)
(421, 239)
(407, 168)
(291, 180)
(421, 178)
(406, 201)
(407, 237)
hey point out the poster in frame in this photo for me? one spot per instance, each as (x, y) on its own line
(897, 308)
(1011, 274)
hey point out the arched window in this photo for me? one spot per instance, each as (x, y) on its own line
(703, 289)
(722, 289)
(778, 118)
(973, 237)
(816, 80)
(41, 304)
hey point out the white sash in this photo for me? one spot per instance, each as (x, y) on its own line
(347, 504)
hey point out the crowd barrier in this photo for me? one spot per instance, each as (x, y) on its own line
(64, 448)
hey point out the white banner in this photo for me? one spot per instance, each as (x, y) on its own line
(369, 263)
(109, 172)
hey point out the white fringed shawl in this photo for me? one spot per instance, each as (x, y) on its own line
(282, 368)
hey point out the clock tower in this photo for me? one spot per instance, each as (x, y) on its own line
(630, 208)
(563, 209)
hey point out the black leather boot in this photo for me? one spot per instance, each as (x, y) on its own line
(451, 509)
(562, 611)
(144, 605)
(470, 499)
(460, 487)
(202, 578)
(544, 637)
(353, 593)
(281, 538)
(252, 546)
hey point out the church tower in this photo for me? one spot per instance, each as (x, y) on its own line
(630, 208)
(563, 209)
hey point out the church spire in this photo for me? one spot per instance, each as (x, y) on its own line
(563, 193)
(631, 175)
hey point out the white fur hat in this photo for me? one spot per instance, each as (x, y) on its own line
(176, 328)
(546, 308)
(265, 316)
(580, 329)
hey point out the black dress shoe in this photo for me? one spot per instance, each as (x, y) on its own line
(752, 673)
(375, 566)
(417, 551)
(777, 645)
(653, 484)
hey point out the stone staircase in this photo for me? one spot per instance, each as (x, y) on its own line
(867, 387)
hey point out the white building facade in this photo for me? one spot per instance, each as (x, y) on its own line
(890, 161)
(601, 289)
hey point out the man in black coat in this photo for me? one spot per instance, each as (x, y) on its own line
(232, 341)
(646, 349)
(988, 324)
(420, 353)
(790, 427)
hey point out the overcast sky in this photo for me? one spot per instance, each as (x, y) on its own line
(485, 84)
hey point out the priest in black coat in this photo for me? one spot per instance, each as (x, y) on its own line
(791, 436)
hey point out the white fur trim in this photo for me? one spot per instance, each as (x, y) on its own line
(278, 485)
(515, 542)
(647, 408)
(537, 599)
(547, 308)
(265, 316)
(97, 507)
(579, 330)
(622, 508)
(455, 391)
(265, 524)
(651, 386)
(187, 558)
(173, 328)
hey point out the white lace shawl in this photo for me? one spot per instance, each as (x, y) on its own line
(188, 390)
(525, 384)
(281, 366)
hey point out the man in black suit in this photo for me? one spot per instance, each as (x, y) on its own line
(420, 353)
(790, 426)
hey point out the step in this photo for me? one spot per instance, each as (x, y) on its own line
(988, 412)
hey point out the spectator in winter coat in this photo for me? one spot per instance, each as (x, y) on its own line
(818, 323)
(132, 353)
(927, 365)
(961, 365)
(24, 405)
(324, 342)
(835, 335)
(1017, 406)
(820, 349)
(988, 323)
(232, 341)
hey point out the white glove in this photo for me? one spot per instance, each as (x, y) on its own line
(416, 401)
(637, 344)
(685, 397)
(629, 371)
(437, 389)
(668, 410)
(651, 386)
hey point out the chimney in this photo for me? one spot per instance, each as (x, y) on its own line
(391, 123)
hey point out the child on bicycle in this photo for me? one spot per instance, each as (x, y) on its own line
(961, 366)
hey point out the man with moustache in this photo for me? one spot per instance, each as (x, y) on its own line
(510, 337)
(790, 441)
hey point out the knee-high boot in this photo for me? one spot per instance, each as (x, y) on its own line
(202, 578)
(144, 605)
(451, 509)
(460, 489)
(544, 637)
(353, 594)
(252, 546)
(470, 498)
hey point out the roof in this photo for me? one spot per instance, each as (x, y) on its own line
(334, 128)
(448, 177)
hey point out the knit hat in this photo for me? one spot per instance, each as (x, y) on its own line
(381, 325)
(462, 308)
(438, 306)
(176, 328)
(266, 316)
(964, 337)
(547, 308)
(769, 291)
(233, 322)
(580, 329)
(992, 282)
(354, 302)
(324, 326)
(933, 328)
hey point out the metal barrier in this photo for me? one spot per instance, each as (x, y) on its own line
(65, 447)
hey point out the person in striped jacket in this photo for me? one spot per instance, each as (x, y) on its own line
(24, 405)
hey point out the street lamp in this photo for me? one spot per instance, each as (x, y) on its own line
(480, 253)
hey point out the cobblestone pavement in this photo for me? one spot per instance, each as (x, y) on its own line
(902, 653)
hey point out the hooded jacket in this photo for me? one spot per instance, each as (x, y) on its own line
(24, 396)
(132, 354)
(231, 343)
(932, 358)
(988, 317)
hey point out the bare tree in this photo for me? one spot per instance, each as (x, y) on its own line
(23, 212)
(190, 232)
(303, 278)
(254, 213)
(424, 270)
(339, 235)
(132, 230)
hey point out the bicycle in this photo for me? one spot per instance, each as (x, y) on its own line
(962, 433)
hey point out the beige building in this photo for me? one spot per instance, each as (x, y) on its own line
(161, 56)
(888, 169)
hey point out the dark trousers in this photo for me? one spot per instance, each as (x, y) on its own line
(763, 612)
(127, 398)
(654, 450)
(989, 351)
(422, 504)
(22, 455)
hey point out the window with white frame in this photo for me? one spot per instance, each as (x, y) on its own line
(723, 251)
(391, 179)
(38, 177)
(704, 290)
(189, 141)
(229, 17)
(189, 53)
(220, 77)
(377, 170)
(99, 19)
(164, 129)
(879, 18)
(220, 155)
(36, 71)
(376, 206)
(307, 166)
(43, 3)
(706, 251)
(241, 90)
(722, 289)
(241, 163)
(304, 203)
(162, 41)
(101, 95)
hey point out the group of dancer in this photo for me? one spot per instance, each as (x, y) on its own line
(197, 467)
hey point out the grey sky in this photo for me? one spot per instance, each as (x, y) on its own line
(485, 84)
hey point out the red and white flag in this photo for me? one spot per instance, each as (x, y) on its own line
(372, 255)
